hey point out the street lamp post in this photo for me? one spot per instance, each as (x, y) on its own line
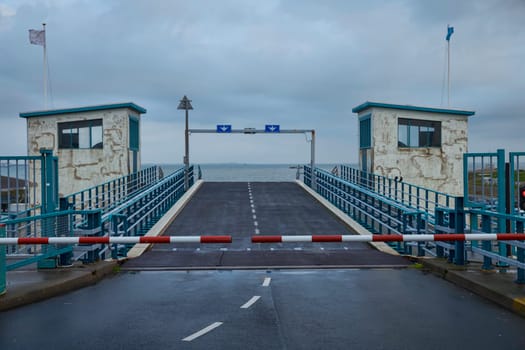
(185, 104)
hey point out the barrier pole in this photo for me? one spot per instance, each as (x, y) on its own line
(2, 261)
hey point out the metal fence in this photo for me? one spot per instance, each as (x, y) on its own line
(407, 194)
(445, 213)
(110, 194)
(484, 180)
(58, 224)
(138, 215)
(373, 211)
(503, 253)
(18, 186)
(516, 179)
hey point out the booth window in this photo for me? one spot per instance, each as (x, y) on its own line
(83, 134)
(134, 133)
(418, 133)
(365, 132)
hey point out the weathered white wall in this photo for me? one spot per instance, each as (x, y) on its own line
(83, 168)
(440, 169)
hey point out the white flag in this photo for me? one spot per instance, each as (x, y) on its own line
(37, 37)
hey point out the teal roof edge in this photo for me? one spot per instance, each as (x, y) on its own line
(369, 104)
(129, 105)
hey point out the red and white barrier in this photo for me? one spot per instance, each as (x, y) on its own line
(118, 240)
(268, 239)
(391, 238)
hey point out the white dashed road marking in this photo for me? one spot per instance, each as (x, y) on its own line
(203, 331)
(266, 282)
(250, 302)
(252, 205)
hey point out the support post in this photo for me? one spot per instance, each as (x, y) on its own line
(486, 245)
(48, 182)
(2, 261)
(186, 155)
(45, 65)
(502, 199)
(49, 204)
(312, 162)
(520, 253)
(459, 256)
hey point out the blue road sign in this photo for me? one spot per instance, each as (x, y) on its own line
(224, 128)
(272, 128)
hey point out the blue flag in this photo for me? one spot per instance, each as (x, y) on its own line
(450, 30)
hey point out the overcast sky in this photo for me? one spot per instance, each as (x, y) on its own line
(300, 64)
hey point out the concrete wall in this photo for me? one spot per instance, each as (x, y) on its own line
(83, 168)
(440, 169)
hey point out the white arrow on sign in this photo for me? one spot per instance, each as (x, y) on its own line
(272, 128)
(224, 128)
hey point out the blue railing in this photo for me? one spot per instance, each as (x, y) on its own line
(58, 224)
(445, 213)
(19, 192)
(516, 180)
(138, 215)
(407, 194)
(504, 253)
(110, 194)
(484, 180)
(132, 218)
(373, 211)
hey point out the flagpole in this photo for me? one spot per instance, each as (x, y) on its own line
(45, 66)
(448, 72)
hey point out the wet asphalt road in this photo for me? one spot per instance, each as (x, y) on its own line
(244, 209)
(297, 309)
(355, 308)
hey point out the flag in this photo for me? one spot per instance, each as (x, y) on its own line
(450, 30)
(37, 37)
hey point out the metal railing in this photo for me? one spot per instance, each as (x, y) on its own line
(19, 195)
(413, 196)
(373, 211)
(58, 224)
(484, 180)
(446, 214)
(516, 180)
(138, 215)
(110, 194)
(504, 253)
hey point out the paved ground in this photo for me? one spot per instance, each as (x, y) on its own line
(243, 209)
(296, 309)
(401, 308)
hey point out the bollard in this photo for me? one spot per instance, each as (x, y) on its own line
(2, 261)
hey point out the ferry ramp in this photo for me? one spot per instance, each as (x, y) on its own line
(246, 209)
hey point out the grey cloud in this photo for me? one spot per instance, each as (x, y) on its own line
(302, 64)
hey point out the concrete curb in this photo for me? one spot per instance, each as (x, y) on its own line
(491, 285)
(56, 282)
(354, 225)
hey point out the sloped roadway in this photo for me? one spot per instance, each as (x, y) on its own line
(376, 304)
(243, 209)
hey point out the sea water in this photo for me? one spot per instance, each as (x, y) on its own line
(245, 172)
